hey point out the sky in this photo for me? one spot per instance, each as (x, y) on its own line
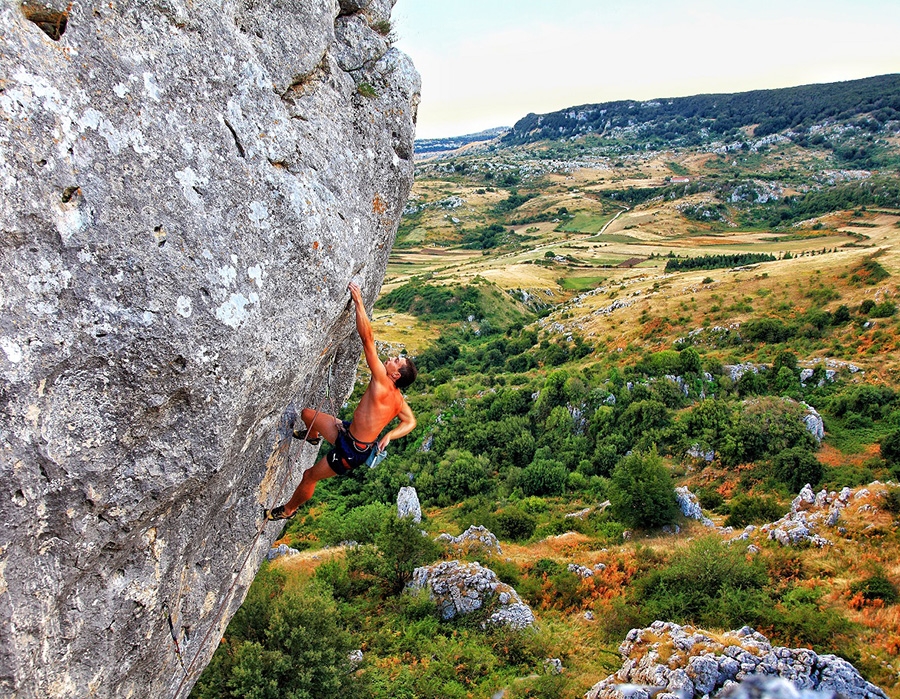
(487, 63)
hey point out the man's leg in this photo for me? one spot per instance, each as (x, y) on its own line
(304, 491)
(319, 424)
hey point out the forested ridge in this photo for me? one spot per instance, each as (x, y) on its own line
(770, 111)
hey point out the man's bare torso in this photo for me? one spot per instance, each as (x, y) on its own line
(378, 406)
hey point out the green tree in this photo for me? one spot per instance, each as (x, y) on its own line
(544, 475)
(890, 448)
(641, 492)
(457, 476)
(795, 467)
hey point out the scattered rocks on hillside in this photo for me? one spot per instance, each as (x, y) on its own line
(614, 306)
(700, 664)
(554, 665)
(696, 452)
(580, 571)
(807, 374)
(475, 541)
(736, 371)
(281, 550)
(690, 506)
(408, 504)
(461, 588)
(810, 511)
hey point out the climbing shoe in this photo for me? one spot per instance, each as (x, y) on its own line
(277, 513)
(301, 432)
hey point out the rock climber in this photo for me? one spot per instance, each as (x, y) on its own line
(354, 441)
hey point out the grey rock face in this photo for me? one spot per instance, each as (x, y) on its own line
(745, 666)
(690, 506)
(185, 191)
(814, 423)
(461, 588)
(408, 504)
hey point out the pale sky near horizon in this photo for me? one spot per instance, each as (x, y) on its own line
(487, 63)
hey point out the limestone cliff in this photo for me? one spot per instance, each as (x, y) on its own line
(186, 188)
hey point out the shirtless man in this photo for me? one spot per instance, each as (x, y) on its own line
(353, 441)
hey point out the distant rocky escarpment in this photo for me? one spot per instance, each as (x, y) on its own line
(185, 191)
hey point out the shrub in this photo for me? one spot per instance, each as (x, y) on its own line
(890, 448)
(885, 309)
(890, 501)
(744, 510)
(709, 499)
(795, 467)
(765, 427)
(460, 474)
(300, 650)
(641, 493)
(515, 524)
(399, 549)
(706, 582)
(874, 587)
(543, 476)
(361, 524)
(866, 400)
(769, 330)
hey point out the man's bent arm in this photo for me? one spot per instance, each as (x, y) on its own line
(407, 425)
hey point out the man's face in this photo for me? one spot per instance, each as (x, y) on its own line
(393, 365)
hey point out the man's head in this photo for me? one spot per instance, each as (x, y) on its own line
(402, 370)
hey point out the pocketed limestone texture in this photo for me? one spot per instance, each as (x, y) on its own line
(186, 190)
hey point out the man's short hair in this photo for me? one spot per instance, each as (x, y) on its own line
(408, 373)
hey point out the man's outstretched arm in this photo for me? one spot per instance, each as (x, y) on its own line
(364, 328)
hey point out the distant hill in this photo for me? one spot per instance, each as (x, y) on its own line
(686, 121)
(437, 145)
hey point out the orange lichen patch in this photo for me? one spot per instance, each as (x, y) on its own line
(378, 205)
(315, 245)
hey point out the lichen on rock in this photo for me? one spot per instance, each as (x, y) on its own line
(699, 663)
(461, 588)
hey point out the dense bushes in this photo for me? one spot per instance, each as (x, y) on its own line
(641, 492)
(764, 428)
(285, 640)
(437, 302)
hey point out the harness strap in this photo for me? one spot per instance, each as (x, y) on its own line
(356, 442)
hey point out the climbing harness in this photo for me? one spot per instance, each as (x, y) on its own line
(250, 549)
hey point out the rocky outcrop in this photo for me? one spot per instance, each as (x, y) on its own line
(408, 504)
(809, 513)
(474, 541)
(185, 191)
(690, 506)
(699, 664)
(462, 588)
(814, 423)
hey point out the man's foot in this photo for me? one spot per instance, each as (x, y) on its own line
(277, 513)
(301, 432)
